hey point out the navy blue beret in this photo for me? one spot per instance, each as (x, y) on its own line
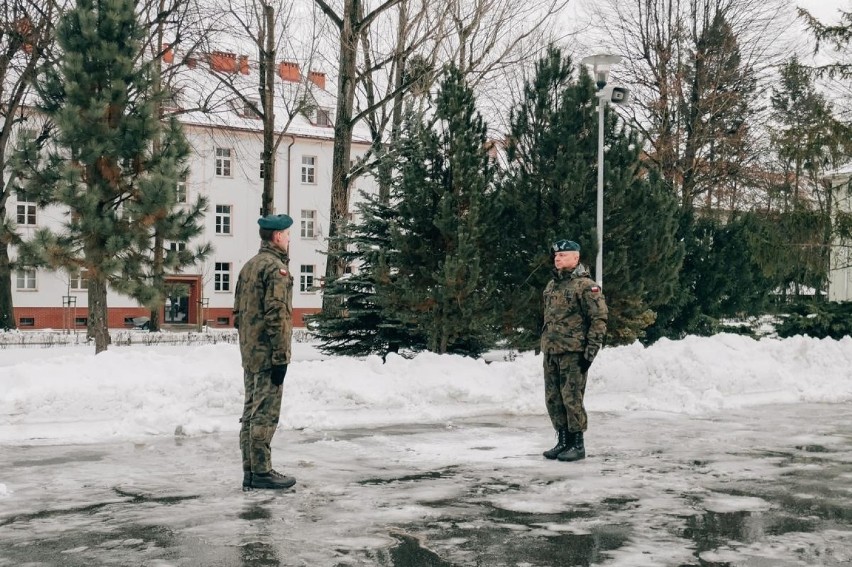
(275, 222)
(565, 246)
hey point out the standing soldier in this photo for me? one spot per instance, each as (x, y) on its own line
(574, 328)
(263, 313)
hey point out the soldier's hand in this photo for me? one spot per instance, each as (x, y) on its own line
(279, 371)
(584, 364)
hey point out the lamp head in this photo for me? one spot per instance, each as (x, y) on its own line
(601, 65)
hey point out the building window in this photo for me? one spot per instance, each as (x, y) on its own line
(81, 321)
(309, 164)
(26, 322)
(26, 279)
(223, 219)
(309, 219)
(223, 162)
(251, 108)
(306, 279)
(79, 281)
(324, 117)
(262, 167)
(177, 246)
(180, 191)
(222, 276)
(223, 320)
(26, 214)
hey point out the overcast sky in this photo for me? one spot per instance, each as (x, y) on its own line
(825, 10)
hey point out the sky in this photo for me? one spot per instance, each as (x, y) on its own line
(67, 394)
(825, 10)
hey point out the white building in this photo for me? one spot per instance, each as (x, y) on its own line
(225, 167)
(840, 263)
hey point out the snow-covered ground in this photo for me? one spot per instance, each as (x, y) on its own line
(67, 394)
(707, 451)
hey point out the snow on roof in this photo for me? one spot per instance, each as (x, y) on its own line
(204, 91)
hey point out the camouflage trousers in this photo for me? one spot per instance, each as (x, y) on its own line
(260, 419)
(564, 388)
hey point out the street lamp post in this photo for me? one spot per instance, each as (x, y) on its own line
(601, 64)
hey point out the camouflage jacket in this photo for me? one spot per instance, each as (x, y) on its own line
(263, 309)
(575, 314)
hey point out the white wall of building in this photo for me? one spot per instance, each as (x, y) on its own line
(241, 193)
(840, 271)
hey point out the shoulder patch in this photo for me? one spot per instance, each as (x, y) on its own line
(283, 272)
(595, 289)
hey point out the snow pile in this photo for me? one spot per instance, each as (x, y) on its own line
(68, 394)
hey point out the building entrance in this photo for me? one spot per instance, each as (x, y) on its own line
(183, 298)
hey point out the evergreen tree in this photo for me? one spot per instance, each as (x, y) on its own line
(441, 192)
(102, 168)
(716, 112)
(810, 141)
(550, 192)
(363, 326)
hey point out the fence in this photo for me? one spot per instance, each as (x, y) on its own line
(47, 339)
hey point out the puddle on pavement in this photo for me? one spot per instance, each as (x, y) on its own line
(427, 475)
(506, 537)
(410, 552)
(83, 457)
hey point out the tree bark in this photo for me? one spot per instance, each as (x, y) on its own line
(98, 326)
(342, 151)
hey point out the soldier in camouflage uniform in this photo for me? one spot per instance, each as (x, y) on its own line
(575, 316)
(263, 314)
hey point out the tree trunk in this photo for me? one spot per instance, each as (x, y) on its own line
(267, 92)
(7, 309)
(342, 149)
(158, 277)
(98, 322)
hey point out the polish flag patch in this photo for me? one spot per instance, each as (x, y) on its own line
(282, 271)
(595, 289)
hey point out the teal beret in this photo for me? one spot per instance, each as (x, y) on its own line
(275, 222)
(565, 246)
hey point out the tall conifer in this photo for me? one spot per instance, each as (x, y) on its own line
(550, 193)
(442, 194)
(101, 168)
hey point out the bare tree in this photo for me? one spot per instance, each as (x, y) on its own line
(403, 44)
(173, 25)
(694, 66)
(26, 37)
(269, 30)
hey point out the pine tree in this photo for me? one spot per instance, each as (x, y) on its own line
(550, 193)
(363, 326)
(101, 169)
(441, 193)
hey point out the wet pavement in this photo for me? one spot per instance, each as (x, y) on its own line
(764, 486)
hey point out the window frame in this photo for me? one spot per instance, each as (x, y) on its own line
(181, 192)
(308, 225)
(220, 218)
(223, 163)
(26, 211)
(79, 282)
(25, 276)
(222, 277)
(309, 170)
(305, 277)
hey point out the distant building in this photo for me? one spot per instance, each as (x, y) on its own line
(840, 263)
(226, 167)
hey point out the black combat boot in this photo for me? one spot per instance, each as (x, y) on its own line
(246, 480)
(272, 479)
(576, 450)
(563, 441)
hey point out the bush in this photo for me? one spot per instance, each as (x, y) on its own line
(819, 320)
